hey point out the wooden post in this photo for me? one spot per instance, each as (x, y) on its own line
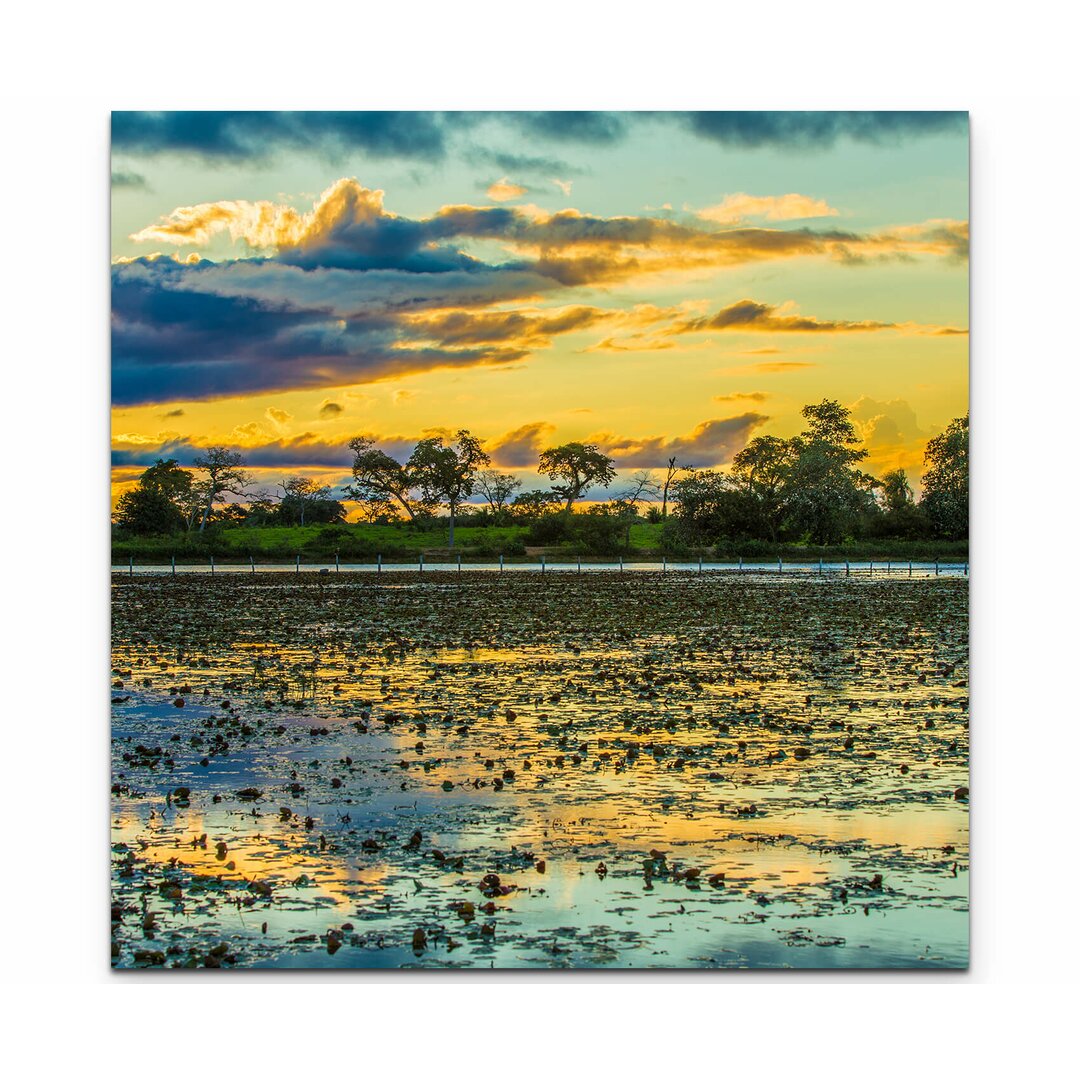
(421, 562)
(459, 562)
(378, 564)
(298, 563)
(500, 564)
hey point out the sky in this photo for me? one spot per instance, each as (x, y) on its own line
(661, 284)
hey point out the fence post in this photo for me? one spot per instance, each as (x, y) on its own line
(909, 568)
(847, 568)
(500, 564)
(211, 564)
(620, 564)
(421, 562)
(579, 564)
(337, 562)
(779, 565)
(936, 571)
(542, 562)
(131, 565)
(459, 562)
(378, 564)
(174, 566)
(298, 564)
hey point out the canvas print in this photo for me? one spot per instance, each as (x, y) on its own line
(539, 540)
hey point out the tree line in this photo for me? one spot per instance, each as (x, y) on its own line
(810, 488)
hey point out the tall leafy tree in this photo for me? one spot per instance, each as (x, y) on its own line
(148, 511)
(575, 468)
(379, 480)
(827, 493)
(945, 480)
(762, 472)
(446, 474)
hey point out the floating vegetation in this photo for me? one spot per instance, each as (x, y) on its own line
(617, 770)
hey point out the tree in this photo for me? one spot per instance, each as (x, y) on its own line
(895, 491)
(710, 506)
(225, 475)
(498, 488)
(762, 472)
(447, 474)
(166, 478)
(304, 498)
(535, 504)
(673, 470)
(148, 511)
(827, 494)
(576, 467)
(945, 480)
(379, 479)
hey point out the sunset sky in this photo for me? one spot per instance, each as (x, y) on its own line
(669, 283)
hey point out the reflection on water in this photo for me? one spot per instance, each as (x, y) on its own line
(597, 770)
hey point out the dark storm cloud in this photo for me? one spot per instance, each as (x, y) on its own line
(427, 136)
(819, 130)
(130, 180)
(239, 136)
(522, 163)
(171, 342)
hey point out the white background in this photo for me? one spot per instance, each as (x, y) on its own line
(63, 70)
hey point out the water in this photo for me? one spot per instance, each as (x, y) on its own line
(606, 745)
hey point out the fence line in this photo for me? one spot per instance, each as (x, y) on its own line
(870, 568)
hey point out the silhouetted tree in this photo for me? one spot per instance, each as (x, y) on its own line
(447, 474)
(498, 488)
(225, 475)
(576, 467)
(945, 480)
(306, 499)
(379, 479)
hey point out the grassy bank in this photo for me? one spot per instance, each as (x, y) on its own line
(363, 542)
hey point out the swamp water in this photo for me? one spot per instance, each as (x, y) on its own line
(601, 770)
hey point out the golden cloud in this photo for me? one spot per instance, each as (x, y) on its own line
(503, 190)
(792, 207)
